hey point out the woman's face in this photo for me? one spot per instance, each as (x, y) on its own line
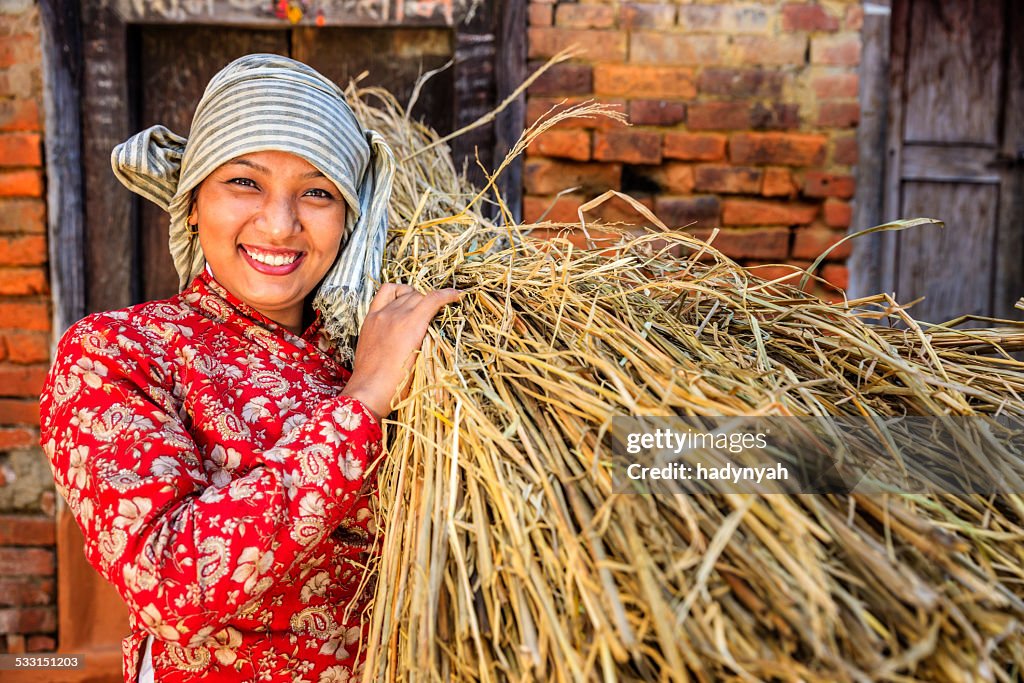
(270, 225)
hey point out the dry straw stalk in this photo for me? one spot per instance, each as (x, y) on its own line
(507, 556)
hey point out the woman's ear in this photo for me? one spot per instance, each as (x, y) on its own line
(193, 210)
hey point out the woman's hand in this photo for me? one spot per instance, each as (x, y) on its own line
(391, 334)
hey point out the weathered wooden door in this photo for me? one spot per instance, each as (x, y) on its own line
(956, 152)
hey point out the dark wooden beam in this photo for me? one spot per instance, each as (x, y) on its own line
(62, 69)
(510, 64)
(869, 209)
(106, 121)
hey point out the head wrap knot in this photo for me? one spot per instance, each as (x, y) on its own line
(266, 102)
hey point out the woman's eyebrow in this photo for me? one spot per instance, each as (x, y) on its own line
(315, 173)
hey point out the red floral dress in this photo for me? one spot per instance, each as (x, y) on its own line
(222, 484)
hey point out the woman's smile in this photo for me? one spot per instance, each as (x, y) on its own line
(272, 261)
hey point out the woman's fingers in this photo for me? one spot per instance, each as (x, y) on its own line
(389, 340)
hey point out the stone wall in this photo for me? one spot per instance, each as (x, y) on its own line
(743, 118)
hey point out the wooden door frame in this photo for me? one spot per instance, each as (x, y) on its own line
(83, 45)
(868, 260)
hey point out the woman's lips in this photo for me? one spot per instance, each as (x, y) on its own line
(268, 269)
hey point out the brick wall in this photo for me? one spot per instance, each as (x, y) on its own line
(743, 117)
(27, 589)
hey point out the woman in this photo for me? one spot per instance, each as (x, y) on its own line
(214, 449)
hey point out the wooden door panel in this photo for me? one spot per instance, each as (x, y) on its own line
(392, 57)
(174, 67)
(946, 264)
(953, 71)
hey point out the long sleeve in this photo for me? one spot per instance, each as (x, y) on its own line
(189, 535)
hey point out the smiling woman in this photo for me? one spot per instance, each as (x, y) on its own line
(218, 448)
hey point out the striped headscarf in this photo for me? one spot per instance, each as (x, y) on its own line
(265, 102)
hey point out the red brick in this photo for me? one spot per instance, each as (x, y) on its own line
(18, 49)
(838, 114)
(683, 211)
(540, 14)
(20, 79)
(27, 530)
(22, 216)
(19, 114)
(778, 182)
(27, 591)
(635, 16)
(17, 437)
(22, 281)
(656, 112)
(543, 177)
(807, 17)
(838, 214)
(564, 144)
(584, 16)
(630, 146)
(672, 177)
(630, 80)
(28, 619)
(854, 19)
(741, 83)
(565, 79)
(727, 179)
(25, 562)
(655, 47)
(20, 149)
(785, 149)
(765, 244)
(838, 50)
(836, 275)
(844, 150)
(724, 18)
(718, 116)
(593, 44)
(811, 242)
(775, 116)
(24, 183)
(537, 107)
(38, 643)
(836, 86)
(25, 347)
(15, 412)
(820, 184)
(561, 210)
(782, 50)
(23, 250)
(21, 380)
(25, 315)
(694, 146)
(761, 212)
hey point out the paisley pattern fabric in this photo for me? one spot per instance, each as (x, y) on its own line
(222, 485)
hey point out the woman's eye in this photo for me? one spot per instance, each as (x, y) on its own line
(320, 194)
(245, 182)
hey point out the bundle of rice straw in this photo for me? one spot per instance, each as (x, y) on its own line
(507, 556)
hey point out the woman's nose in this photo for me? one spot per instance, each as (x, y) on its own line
(280, 217)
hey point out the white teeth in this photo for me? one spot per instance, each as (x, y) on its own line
(272, 259)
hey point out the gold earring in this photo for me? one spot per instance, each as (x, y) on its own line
(193, 230)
